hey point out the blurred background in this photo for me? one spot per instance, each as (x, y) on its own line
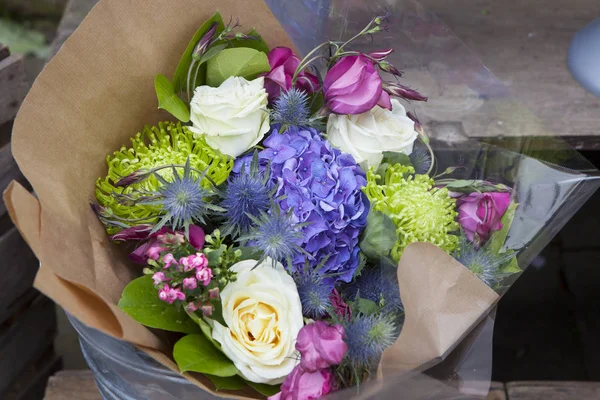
(547, 325)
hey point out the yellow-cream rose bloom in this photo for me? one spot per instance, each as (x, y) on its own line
(263, 314)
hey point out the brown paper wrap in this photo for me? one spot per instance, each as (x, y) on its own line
(90, 99)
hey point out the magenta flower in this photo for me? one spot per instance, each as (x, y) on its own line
(321, 346)
(304, 385)
(381, 55)
(480, 214)
(159, 277)
(154, 250)
(196, 237)
(138, 232)
(353, 86)
(164, 235)
(204, 275)
(283, 64)
(340, 307)
(169, 294)
(168, 259)
(190, 283)
(214, 293)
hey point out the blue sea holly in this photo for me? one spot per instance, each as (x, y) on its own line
(291, 109)
(380, 285)
(129, 171)
(482, 261)
(247, 195)
(320, 187)
(315, 294)
(367, 336)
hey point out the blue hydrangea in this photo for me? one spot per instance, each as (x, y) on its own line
(322, 188)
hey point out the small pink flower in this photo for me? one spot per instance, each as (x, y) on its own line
(304, 385)
(190, 283)
(153, 252)
(321, 345)
(175, 294)
(480, 214)
(191, 307)
(204, 275)
(200, 261)
(168, 259)
(353, 86)
(159, 277)
(163, 293)
(213, 293)
(207, 310)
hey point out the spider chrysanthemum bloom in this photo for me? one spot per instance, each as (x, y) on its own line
(420, 211)
(367, 336)
(481, 261)
(291, 109)
(247, 195)
(275, 235)
(165, 144)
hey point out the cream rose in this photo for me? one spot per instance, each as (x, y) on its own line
(263, 315)
(366, 136)
(233, 117)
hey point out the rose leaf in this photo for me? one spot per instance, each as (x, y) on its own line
(379, 237)
(227, 383)
(265, 390)
(168, 99)
(196, 353)
(140, 301)
(241, 61)
(498, 238)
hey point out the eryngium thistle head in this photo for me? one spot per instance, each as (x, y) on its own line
(367, 336)
(247, 195)
(314, 294)
(291, 109)
(379, 285)
(183, 201)
(420, 211)
(275, 235)
(482, 262)
(420, 158)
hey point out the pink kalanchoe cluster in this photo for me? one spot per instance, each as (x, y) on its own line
(321, 347)
(170, 294)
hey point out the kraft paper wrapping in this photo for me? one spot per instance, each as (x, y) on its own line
(90, 99)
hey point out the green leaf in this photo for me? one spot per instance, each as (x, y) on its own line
(379, 236)
(512, 267)
(140, 301)
(461, 184)
(168, 99)
(498, 238)
(265, 390)
(367, 307)
(256, 44)
(196, 353)
(22, 40)
(393, 158)
(211, 52)
(227, 383)
(205, 328)
(180, 76)
(242, 61)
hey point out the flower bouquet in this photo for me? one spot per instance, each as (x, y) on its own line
(282, 225)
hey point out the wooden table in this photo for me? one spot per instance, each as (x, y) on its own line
(80, 385)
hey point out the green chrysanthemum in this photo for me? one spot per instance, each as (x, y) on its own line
(165, 144)
(420, 212)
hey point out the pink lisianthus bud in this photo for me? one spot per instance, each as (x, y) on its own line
(321, 346)
(213, 293)
(207, 310)
(159, 277)
(190, 283)
(168, 259)
(380, 55)
(398, 90)
(389, 68)
(283, 64)
(480, 214)
(197, 237)
(205, 42)
(204, 275)
(132, 178)
(418, 125)
(304, 385)
(138, 232)
(353, 86)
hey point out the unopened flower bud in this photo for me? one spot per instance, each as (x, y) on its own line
(132, 178)
(207, 310)
(205, 42)
(396, 89)
(380, 55)
(389, 68)
(214, 293)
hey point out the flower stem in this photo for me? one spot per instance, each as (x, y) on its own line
(303, 63)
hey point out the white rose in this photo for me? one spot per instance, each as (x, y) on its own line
(233, 117)
(263, 314)
(366, 136)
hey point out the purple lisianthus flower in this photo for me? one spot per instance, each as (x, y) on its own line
(321, 187)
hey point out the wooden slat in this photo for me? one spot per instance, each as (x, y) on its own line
(553, 390)
(12, 85)
(497, 392)
(31, 383)
(4, 52)
(24, 338)
(18, 268)
(74, 385)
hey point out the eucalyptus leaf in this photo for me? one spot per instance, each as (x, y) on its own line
(379, 237)
(498, 238)
(168, 100)
(227, 383)
(367, 307)
(196, 353)
(241, 61)
(181, 73)
(265, 390)
(140, 301)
